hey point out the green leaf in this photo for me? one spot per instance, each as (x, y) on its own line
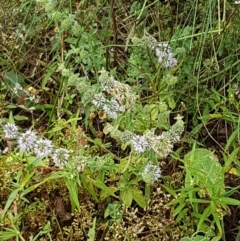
(89, 188)
(10, 200)
(229, 201)
(72, 186)
(204, 170)
(91, 232)
(104, 195)
(178, 209)
(139, 198)
(50, 71)
(154, 113)
(124, 164)
(11, 78)
(216, 217)
(203, 217)
(127, 196)
(8, 234)
(103, 187)
(20, 117)
(181, 215)
(169, 190)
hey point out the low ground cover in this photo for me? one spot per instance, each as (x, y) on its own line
(119, 120)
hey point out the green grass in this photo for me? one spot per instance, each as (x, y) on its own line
(131, 141)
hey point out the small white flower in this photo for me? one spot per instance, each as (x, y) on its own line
(139, 143)
(170, 62)
(152, 43)
(17, 88)
(151, 173)
(10, 131)
(99, 100)
(116, 106)
(27, 140)
(165, 56)
(43, 148)
(60, 157)
(110, 112)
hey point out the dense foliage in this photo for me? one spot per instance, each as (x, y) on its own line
(119, 120)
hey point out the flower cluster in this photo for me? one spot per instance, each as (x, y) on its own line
(161, 144)
(119, 91)
(10, 131)
(151, 173)
(26, 141)
(163, 53)
(140, 143)
(111, 107)
(122, 96)
(60, 157)
(40, 147)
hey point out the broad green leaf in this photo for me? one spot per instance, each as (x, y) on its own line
(124, 164)
(139, 198)
(103, 187)
(203, 169)
(127, 196)
(104, 195)
(11, 78)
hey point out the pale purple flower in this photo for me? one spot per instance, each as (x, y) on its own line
(139, 143)
(27, 140)
(10, 131)
(43, 148)
(110, 107)
(60, 157)
(165, 56)
(151, 173)
(99, 100)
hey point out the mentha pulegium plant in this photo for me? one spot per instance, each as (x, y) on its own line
(121, 92)
(161, 144)
(115, 97)
(29, 143)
